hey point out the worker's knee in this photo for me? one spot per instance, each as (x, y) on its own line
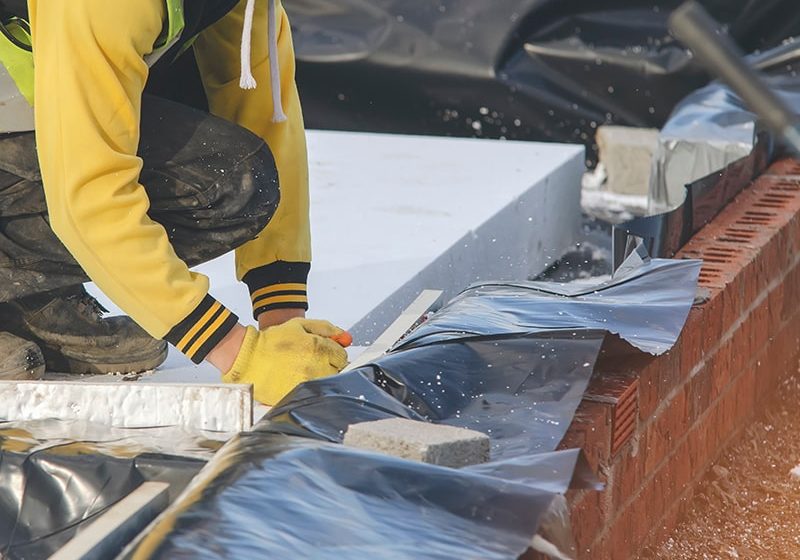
(253, 191)
(211, 183)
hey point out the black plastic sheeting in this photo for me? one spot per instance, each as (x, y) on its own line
(287, 497)
(52, 484)
(708, 123)
(664, 234)
(521, 390)
(711, 129)
(519, 69)
(510, 360)
(639, 304)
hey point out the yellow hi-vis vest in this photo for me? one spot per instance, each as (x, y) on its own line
(16, 66)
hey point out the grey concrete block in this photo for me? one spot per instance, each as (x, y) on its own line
(627, 154)
(420, 441)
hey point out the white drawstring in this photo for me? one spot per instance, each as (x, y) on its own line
(247, 81)
(274, 69)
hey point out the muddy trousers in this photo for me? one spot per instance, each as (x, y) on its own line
(211, 184)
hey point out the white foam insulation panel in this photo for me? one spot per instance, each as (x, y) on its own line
(393, 215)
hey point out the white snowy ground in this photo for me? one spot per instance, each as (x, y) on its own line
(385, 206)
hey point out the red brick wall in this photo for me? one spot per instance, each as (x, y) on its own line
(734, 350)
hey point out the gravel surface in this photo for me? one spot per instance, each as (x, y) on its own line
(748, 505)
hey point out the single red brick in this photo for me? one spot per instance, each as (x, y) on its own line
(665, 429)
(762, 376)
(768, 266)
(629, 472)
(775, 306)
(588, 517)
(649, 398)
(644, 513)
(656, 447)
(691, 350)
(781, 258)
(661, 487)
(784, 256)
(760, 330)
(740, 354)
(681, 465)
(591, 431)
(650, 381)
(659, 492)
(791, 294)
(662, 530)
(599, 549)
(732, 416)
(793, 231)
(699, 392)
(695, 449)
(720, 367)
(731, 309)
(745, 405)
(722, 415)
(696, 441)
(716, 434)
(621, 534)
(750, 284)
(712, 321)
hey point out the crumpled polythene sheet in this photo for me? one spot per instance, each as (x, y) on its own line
(510, 360)
(712, 128)
(645, 305)
(287, 497)
(710, 149)
(664, 234)
(57, 476)
(506, 363)
(522, 391)
(519, 69)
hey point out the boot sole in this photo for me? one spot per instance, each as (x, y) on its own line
(34, 371)
(60, 363)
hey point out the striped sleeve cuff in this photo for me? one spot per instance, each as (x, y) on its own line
(202, 330)
(280, 285)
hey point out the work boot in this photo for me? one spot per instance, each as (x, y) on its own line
(19, 359)
(69, 327)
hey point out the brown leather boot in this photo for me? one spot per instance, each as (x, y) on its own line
(69, 327)
(19, 359)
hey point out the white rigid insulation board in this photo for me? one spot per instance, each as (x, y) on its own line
(392, 215)
(222, 408)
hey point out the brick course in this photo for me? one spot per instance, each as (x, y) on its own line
(733, 352)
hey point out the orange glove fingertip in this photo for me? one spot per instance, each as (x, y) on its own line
(344, 339)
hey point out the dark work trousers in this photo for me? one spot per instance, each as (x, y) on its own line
(212, 184)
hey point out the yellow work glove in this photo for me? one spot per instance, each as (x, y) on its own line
(279, 358)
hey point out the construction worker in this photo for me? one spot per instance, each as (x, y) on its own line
(130, 193)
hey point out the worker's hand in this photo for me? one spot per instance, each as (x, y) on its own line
(279, 358)
(278, 317)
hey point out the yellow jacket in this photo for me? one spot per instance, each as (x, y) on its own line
(89, 76)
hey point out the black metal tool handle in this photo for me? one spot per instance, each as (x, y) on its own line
(716, 51)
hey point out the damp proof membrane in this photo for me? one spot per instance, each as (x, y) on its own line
(510, 360)
(711, 148)
(56, 477)
(282, 496)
